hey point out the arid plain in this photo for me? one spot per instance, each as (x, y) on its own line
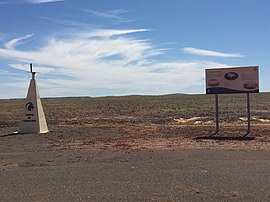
(138, 148)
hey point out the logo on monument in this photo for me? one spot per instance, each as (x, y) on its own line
(29, 106)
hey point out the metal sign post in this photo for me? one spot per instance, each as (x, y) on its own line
(248, 114)
(217, 115)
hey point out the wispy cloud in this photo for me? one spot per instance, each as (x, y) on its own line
(116, 14)
(203, 52)
(91, 64)
(70, 23)
(111, 32)
(29, 1)
(41, 1)
(12, 43)
(37, 68)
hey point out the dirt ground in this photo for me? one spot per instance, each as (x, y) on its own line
(138, 137)
(133, 138)
(135, 163)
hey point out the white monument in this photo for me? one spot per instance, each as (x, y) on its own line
(33, 119)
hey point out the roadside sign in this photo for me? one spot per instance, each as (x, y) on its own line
(232, 80)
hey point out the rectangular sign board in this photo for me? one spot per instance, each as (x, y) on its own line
(232, 80)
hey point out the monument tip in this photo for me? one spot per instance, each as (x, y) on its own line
(31, 68)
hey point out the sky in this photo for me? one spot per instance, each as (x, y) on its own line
(125, 47)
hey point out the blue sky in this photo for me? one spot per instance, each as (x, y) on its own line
(122, 47)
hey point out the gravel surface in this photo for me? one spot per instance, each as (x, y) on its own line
(135, 163)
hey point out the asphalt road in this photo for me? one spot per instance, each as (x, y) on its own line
(30, 170)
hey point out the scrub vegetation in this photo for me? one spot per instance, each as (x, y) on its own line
(132, 110)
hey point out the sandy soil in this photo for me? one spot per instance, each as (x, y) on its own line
(132, 138)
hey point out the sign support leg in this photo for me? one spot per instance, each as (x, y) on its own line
(217, 115)
(248, 115)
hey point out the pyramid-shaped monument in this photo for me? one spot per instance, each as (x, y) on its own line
(33, 119)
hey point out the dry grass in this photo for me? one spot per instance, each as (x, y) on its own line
(133, 110)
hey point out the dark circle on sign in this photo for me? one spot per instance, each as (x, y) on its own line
(231, 76)
(29, 106)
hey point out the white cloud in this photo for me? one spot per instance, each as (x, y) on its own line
(70, 23)
(12, 43)
(39, 69)
(116, 14)
(203, 52)
(41, 1)
(94, 65)
(111, 32)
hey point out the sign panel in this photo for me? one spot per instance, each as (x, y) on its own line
(232, 80)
